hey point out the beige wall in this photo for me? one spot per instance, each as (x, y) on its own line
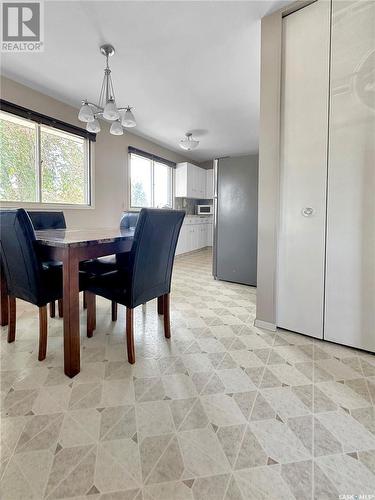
(208, 164)
(268, 189)
(110, 165)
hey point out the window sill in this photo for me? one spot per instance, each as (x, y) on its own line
(44, 206)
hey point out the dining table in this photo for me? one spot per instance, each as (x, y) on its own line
(72, 246)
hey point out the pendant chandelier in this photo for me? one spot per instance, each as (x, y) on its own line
(106, 108)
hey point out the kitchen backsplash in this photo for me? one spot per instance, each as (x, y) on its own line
(189, 204)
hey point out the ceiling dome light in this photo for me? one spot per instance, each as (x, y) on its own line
(86, 114)
(128, 119)
(116, 128)
(188, 143)
(93, 126)
(110, 111)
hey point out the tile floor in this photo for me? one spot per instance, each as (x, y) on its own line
(222, 411)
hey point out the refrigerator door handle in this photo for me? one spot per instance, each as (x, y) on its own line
(214, 244)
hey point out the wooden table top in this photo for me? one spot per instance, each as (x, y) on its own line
(82, 237)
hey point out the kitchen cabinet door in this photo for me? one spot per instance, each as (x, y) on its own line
(209, 235)
(193, 181)
(202, 182)
(201, 236)
(182, 240)
(189, 238)
(197, 238)
(190, 181)
(181, 180)
(209, 184)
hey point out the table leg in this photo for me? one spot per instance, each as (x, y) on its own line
(71, 312)
(3, 299)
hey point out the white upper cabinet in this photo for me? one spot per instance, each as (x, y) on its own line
(190, 181)
(209, 184)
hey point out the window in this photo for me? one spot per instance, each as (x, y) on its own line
(42, 164)
(150, 182)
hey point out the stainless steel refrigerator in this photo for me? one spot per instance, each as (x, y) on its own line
(236, 219)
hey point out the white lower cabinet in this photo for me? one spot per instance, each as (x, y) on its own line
(194, 235)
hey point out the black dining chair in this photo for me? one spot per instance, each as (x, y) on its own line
(26, 275)
(110, 263)
(49, 220)
(148, 274)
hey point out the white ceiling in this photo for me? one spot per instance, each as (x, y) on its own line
(185, 66)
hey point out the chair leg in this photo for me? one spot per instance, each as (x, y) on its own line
(52, 309)
(114, 310)
(3, 298)
(91, 313)
(42, 333)
(167, 321)
(11, 319)
(160, 305)
(84, 300)
(60, 308)
(130, 335)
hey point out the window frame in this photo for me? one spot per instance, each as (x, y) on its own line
(88, 174)
(153, 160)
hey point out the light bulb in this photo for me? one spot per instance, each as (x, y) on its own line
(116, 128)
(110, 111)
(128, 119)
(93, 126)
(85, 113)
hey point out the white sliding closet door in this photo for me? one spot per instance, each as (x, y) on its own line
(350, 278)
(304, 130)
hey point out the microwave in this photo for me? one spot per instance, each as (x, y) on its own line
(205, 209)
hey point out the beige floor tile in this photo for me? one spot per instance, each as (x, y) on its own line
(348, 473)
(117, 392)
(263, 483)
(198, 416)
(168, 491)
(343, 395)
(117, 465)
(154, 418)
(80, 427)
(278, 441)
(222, 410)
(202, 453)
(235, 380)
(179, 386)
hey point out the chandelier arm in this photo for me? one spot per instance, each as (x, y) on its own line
(106, 84)
(98, 108)
(107, 76)
(111, 89)
(102, 92)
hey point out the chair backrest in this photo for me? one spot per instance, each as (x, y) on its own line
(152, 254)
(47, 220)
(129, 219)
(21, 264)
